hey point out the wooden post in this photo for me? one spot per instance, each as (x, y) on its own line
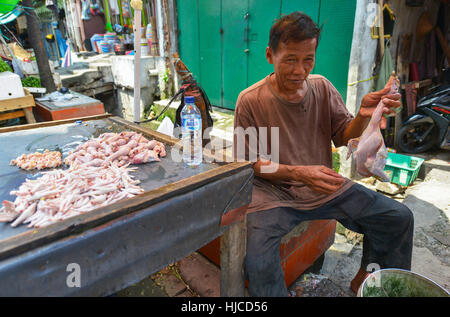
(233, 246)
(29, 115)
(381, 29)
(137, 6)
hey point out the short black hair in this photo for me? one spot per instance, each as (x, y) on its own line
(296, 26)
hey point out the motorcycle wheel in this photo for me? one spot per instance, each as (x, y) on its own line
(408, 137)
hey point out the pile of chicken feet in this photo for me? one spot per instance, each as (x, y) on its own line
(98, 175)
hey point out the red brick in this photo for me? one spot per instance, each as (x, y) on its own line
(202, 276)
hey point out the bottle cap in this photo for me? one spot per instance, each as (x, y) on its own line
(189, 99)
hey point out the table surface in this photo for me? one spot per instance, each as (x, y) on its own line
(117, 246)
(65, 138)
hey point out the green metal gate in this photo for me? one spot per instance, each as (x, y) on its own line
(223, 42)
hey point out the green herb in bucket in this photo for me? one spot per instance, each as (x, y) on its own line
(31, 82)
(400, 283)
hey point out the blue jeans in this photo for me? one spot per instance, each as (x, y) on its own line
(387, 225)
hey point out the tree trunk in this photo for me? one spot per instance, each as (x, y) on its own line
(35, 37)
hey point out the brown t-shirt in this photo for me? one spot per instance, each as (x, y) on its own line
(306, 130)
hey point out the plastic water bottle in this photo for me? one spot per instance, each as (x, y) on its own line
(191, 133)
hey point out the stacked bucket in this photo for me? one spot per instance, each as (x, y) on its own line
(103, 43)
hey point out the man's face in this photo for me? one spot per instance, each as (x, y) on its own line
(292, 62)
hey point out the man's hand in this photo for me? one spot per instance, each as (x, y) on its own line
(317, 177)
(320, 178)
(371, 100)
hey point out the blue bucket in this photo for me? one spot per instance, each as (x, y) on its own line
(104, 46)
(95, 42)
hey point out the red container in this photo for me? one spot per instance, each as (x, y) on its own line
(298, 250)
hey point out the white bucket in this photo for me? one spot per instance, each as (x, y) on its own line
(144, 48)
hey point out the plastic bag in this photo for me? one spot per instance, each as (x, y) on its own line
(166, 127)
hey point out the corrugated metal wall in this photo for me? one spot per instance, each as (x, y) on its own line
(223, 42)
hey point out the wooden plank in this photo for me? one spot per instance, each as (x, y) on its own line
(419, 84)
(52, 123)
(157, 135)
(17, 103)
(233, 246)
(12, 115)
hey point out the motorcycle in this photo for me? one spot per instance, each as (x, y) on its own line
(428, 127)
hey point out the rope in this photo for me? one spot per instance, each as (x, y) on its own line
(181, 91)
(1, 33)
(362, 80)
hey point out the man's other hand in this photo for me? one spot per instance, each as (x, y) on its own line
(320, 178)
(317, 177)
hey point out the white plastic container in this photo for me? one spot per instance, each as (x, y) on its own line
(31, 67)
(10, 86)
(144, 48)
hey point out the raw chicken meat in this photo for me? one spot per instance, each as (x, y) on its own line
(369, 150)
(38, 160)
(125, 147)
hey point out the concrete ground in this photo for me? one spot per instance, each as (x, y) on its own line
(428, 198)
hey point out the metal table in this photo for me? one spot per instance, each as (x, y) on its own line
(73, 106)
(112, 247)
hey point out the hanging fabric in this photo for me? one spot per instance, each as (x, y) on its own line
(114, 7)
(95, 8)
(67, 60)
(85, 6)
(386, 68)
(126, 10)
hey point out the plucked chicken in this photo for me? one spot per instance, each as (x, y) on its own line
(369, 150)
